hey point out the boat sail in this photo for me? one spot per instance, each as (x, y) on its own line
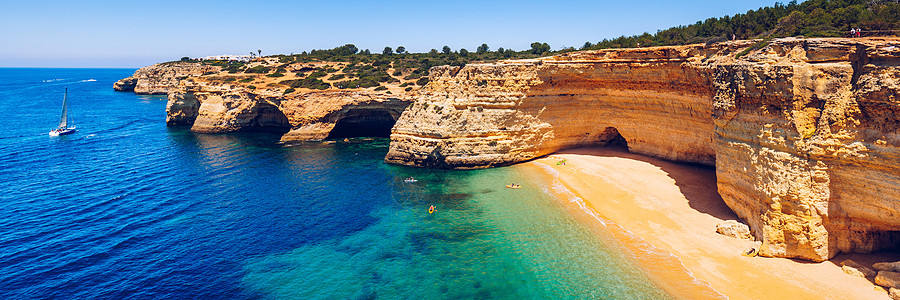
(63, 119)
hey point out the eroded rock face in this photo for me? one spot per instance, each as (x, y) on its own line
(803, 133)
(658, 99)
(125, 85)
(806, 145)
(161, 78)
(734, 229)
(314, 115)
(212, 108)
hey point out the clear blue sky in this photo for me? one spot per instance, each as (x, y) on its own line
(37, 33)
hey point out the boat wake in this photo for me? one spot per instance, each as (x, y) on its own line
(63, 81)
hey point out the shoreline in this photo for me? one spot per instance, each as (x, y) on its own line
(666, 213)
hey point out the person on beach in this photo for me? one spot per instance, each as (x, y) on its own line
(852, 32)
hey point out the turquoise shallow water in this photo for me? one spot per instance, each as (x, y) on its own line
(127, 208)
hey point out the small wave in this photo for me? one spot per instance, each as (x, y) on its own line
(644, 250)
(88, 80)
(56, 79)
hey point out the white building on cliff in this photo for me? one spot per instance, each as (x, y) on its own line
(228, 57)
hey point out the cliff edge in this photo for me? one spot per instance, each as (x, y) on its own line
(314, 115)
(802, 132)
(160, 79)
(213, 99)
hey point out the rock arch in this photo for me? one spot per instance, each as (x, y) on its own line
(364, 123)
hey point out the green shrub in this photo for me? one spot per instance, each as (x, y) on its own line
(408, 89)
(257, 70)
(758, 45)
(232, 68)
(275, 75)
(336, 77)
(245, 80)
(380, 88)
(366, 82)
(252, 87)
(422, 81)
(289, 90)
(412, 76)
(307, 83)
(317, 74)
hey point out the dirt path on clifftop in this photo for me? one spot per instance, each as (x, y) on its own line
(675, 208)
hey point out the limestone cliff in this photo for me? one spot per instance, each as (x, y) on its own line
(803, 132)
(807, 146)
(161, 78)
(657, 99)
(280, 94)
(218, 108)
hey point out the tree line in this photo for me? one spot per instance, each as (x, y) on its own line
(812, 18)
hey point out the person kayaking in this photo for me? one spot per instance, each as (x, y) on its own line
(431, 209)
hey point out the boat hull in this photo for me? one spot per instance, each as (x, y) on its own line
(63, 131)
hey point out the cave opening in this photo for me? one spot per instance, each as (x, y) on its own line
(889, 241)
(363, 123)
(610, 137)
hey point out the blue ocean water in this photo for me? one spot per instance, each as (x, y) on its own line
(127, 208)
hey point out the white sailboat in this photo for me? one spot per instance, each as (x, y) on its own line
(63, 128)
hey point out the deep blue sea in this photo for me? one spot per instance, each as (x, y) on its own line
(127, 208)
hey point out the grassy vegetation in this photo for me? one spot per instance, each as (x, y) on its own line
(307, 83)
(348, 67)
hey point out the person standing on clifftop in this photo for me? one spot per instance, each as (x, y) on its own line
(852, 32)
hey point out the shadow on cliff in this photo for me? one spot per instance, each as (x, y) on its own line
(696, 182)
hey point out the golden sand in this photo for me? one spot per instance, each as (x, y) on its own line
(666, 214)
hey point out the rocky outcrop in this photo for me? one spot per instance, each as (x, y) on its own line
(125, 85)
(887, 266)
(161, 78)
(803, 132)
(853, 268)
(226, 108)
(888, 279)
(734, 229)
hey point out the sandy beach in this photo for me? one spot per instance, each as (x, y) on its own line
(666, 214)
